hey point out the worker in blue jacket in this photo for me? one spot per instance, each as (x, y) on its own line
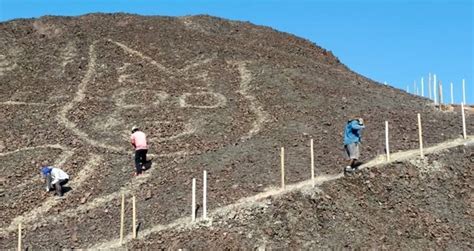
(352, 139)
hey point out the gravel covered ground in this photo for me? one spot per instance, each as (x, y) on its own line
(406, 205)
(211, 94)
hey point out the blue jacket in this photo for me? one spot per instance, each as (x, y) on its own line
(353, 132)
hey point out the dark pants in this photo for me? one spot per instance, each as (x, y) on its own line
(140, 160)
(59, 186)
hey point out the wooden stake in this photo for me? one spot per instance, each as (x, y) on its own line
(434, 89)
(193, 201)
(463, 91)
(282, 155)
(441, 101)
(429, 84)
(19, 237)
(134, 218)
(204, 195)
(387, 147)
(122, 218)
(422, 88)
(452, 95)
(420, 136)
(312, 163)
(464, 135)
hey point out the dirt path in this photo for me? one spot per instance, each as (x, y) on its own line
(185, 222)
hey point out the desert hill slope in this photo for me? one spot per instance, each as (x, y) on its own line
(211, 94)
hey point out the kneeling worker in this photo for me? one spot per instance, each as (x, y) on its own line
(54, 178)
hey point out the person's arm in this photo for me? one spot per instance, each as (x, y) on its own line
(54, 176)
(132, 140)
(355, 125)
(47, 181)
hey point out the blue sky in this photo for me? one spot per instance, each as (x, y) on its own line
(385, 40)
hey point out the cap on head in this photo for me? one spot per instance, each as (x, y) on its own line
(361, 121)
(45, 170)
(135, 128)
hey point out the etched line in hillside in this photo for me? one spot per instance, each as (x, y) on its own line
(6, 65)
(23, 103)
(127, 189)
(38, 213)
(56, 146)
(65, 155)
(68, 54)
(79, 97)
(185, 222)
(141, 55)
(189, 129)
(246, 91)
(196, 63)
(220, 100)
(189, 65)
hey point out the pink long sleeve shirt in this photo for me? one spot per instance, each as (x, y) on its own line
(138, 139)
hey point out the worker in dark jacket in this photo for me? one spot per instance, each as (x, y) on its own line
(352, 139)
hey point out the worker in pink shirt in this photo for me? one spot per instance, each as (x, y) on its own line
(138, 140)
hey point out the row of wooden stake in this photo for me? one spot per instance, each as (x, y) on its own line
(387, 146)
(437, 90)
(420, 133)
(282, 156)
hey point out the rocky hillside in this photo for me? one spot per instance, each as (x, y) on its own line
(211, 94)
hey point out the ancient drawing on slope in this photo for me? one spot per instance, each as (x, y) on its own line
(176, 107)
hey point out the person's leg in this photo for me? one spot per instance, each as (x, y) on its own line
(348, 156)
(143, 158)
(355, 154)
(352, 162)
(138, 169)
(59, 188)
(48, 180)
(352, 154)
(140, 158)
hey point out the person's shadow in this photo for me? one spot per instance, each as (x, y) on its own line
(357, 164)
(66, 189)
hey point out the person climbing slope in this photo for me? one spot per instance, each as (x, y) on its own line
(352, 140)
(138, 140)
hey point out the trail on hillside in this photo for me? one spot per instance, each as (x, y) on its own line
(186, 223)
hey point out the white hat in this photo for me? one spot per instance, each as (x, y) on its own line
(134, 128)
